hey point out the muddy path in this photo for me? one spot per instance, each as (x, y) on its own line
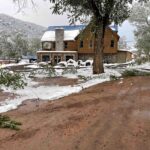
(110, 116)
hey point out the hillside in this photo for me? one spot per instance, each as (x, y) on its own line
(11, 26)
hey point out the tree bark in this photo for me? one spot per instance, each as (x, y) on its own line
(98, 50)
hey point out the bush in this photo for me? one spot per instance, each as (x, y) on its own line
(113, 77)
(127, 73)
(72, 70)
(84, 78)
(6, 122)
(11, 79)
(133, 72)
(51, 72)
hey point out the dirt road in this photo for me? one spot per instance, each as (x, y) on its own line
(109, 116)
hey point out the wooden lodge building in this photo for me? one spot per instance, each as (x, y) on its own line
(61, 43)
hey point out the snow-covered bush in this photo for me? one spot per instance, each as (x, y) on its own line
(81, 63)
(133, 72)
(72, 63)
(11, 79)
(89, 63)
(84, 78)
(69, 71)
(51, 72)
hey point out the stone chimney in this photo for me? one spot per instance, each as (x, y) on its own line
(59, 37)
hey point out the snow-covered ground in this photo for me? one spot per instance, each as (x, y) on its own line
(145, 66)
(55, 91)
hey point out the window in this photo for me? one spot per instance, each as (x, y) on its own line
(112, 43)
(45, 58)
(81, 44)
(54, 45)
(66, 45)
(91, 44)
(57, 59)
(69, 57)
(46, 45)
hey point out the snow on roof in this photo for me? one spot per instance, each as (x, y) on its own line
(69, 35)
(70, 32)
(125, 50)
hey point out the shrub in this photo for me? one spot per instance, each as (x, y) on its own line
(11, 79)
(127, 73)
(6, 122)
(84, 78)
(133, 72)
(71, 70)
(113, 77)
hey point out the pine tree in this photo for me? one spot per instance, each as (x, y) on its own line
(140, 19)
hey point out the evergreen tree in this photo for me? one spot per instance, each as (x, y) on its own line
(34, 46)
(140, 17)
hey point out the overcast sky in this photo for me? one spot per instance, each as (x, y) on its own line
(43, 16)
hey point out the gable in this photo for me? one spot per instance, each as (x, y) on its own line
(70, 32)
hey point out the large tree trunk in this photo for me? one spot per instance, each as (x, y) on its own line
(98, 50)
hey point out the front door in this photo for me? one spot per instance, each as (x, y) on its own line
(57, 59)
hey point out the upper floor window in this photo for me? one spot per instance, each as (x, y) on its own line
(46, 45)
(81, 44)
(112, 43)
(91, 44)
(54, 45)
(65, 44)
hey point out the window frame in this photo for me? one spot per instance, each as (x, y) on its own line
(81, 44)
(112, 44)
(65, 45)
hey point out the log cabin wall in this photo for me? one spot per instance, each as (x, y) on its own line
(70, 45)
(85, 42)
(87, 37)
(110, 41)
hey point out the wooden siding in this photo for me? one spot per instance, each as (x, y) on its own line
(71, 46)
(124, 56)
(109, 36)
(88, 36)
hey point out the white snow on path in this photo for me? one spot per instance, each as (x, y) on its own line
(42, 93)
(52, 92)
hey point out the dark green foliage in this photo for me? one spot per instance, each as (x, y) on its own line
(84, 78)
(113, 77)
(129, 73)
(11, 79)
(6, 122)
(107, 11)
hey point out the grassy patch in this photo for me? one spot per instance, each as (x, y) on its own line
(6, 122)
